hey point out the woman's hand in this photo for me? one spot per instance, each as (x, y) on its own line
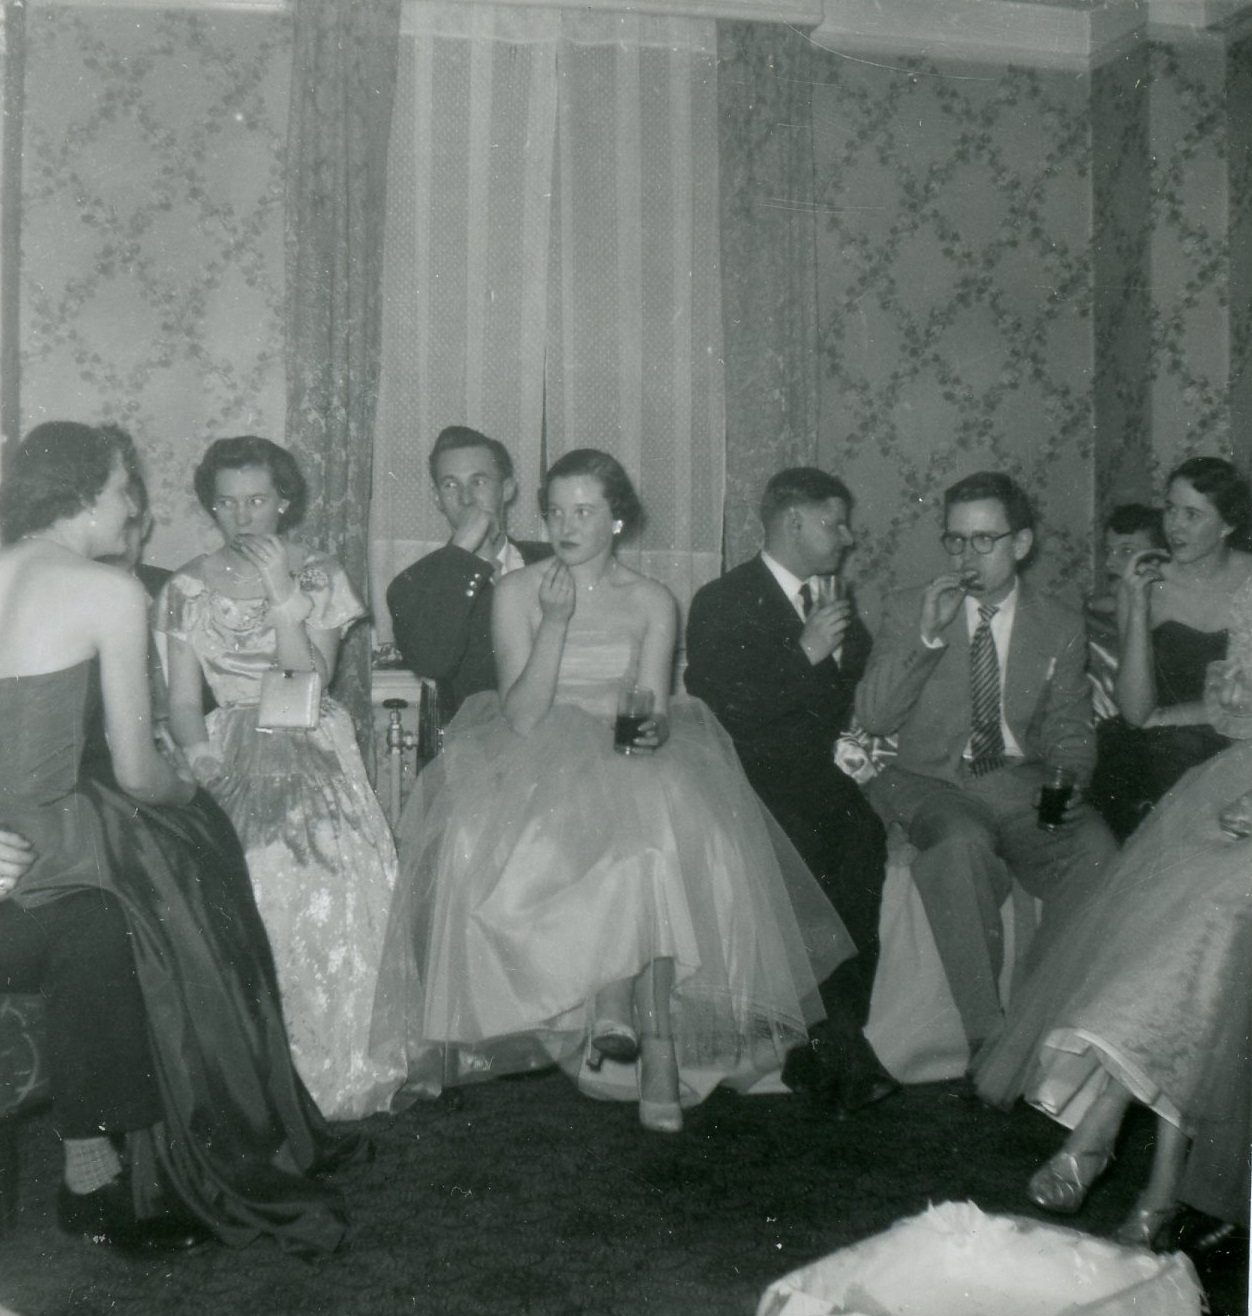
(1236, 818)
(652, 734)
(205, 763)
(16, 856)
(268, 554)
(557, 592)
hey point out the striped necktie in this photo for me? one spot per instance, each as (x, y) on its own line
(806, 598)
(986, 742)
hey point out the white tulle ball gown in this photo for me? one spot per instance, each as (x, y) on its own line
(538, 870)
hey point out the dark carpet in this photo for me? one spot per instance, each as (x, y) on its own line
(521, 1196)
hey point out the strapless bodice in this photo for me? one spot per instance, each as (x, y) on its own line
(42, 720)
(1181, 655)
(597, 660)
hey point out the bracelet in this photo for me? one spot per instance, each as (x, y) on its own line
(295, 607)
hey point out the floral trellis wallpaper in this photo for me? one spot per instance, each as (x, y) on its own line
(927, 270)
(152, 235)
(1006, 280)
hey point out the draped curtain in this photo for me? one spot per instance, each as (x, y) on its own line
(343, 82)
(551, 266)
(768, 228)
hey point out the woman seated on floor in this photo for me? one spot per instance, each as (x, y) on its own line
(1132, 996)
(237, 1137)
(562, 902)
(1172, 621)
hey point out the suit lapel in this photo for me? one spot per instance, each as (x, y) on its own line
(771, 605)
(1030, 650)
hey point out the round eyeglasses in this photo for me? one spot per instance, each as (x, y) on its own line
(981, 541)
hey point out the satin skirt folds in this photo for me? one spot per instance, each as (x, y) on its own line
(240, 1138)
(537, 870)
(1135, 985)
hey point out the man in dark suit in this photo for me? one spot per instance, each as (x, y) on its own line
(441, 606)
(779, 669)
(983, 682)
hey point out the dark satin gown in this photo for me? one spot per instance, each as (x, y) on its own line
(1135, 766)
(240, 1136)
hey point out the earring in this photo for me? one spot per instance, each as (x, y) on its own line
(617, 527)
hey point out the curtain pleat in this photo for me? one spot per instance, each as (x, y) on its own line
(343, 81)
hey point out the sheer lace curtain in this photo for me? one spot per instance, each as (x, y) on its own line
(552, 267)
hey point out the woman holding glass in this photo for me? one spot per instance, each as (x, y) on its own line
(1172, 620)
(319, 849)
(560, 901)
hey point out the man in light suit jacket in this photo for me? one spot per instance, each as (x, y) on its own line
(983, 681)
(441, 606)
(779, 670)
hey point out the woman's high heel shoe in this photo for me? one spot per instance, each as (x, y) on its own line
(1061, 1184)
(613, 1040)
(659, 1110)
(1143, 1224)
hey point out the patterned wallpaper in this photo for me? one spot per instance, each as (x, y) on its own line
(152, 235)
(1121, 234)
(955, 295)
(1190, 251)
(1033, 271)
(987, 293)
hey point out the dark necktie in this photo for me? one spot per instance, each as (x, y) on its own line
(986, 742)
(806, 599)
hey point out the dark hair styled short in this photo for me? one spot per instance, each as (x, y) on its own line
(57, 471)
(619, 493)
(1220, 482)
(1137, 518)
(455, 437)
(248, 450)
(994, 484)
(800, 486)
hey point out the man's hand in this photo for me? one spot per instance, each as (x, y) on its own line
(941, 601)
(16, 856)
(1236, 818)
(476, 528)
(1076, 809)
(824, 630)
(557, 592)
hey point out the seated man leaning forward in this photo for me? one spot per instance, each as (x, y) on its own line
(441, 606)
(778, 667)
(984, 683)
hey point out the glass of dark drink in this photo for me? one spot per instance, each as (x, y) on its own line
(1054, 797)
(634, 708)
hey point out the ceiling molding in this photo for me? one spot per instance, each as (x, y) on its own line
(1063, 34)
(801, 12)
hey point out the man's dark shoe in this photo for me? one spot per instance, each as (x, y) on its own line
(842, 1074)
(107, 1216)
(1209, 1242)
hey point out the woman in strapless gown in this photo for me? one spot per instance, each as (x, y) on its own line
(1173, 622)
(319, 849)
(1132, 996)
(561, 902)
(239, 1137)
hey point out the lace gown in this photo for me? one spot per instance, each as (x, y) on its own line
(538, 869)
(240, 1135)
(1139, 982)
(319, 849)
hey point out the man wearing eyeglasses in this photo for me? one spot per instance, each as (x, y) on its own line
(983, 682)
